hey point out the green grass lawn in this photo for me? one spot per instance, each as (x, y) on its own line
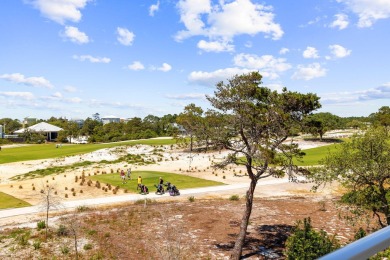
(45, 151)
(8, 201)
(314, 155)
(150, 178)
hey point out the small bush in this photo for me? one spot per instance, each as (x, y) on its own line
(41, 224)
(191, 198)
(66, 195)
(234, 197)
(20, 187)
(37, 244)
(65, 250)
(306, 243)
(87, 247)
(62, 231)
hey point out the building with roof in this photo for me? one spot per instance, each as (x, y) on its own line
(110, 119)
(51, 131)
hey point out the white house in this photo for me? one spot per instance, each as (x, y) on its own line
(51, 131)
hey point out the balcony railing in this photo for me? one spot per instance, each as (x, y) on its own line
(362, 248)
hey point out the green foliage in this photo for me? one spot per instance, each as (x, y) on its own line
(362, 166)
(191, 198)
(41, 224)
(320, 123)
(62, 231)
(87, 246)
(360, 234)
(65, 250)
(234, 197)
(37, 244)
(306, 243)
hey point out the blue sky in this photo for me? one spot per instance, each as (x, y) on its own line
(74, 58)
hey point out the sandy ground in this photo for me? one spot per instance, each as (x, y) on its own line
(167, 160)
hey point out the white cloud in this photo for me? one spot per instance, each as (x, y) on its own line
(74, 35)
(31, 81)
(215, 46)
(283, 51)
(154, 8)
(368, 11)
(377, 93)
(57, 95)
(22, 95)
(75, 100)
(70, 89)
(341, 22)
(60, 11)
(339, 51)
(309, 72)
(125, 37)
(92, 59)
(189, 96)
(225, 20)
(310, 53)
(136, 65)
(268, 65)
(165, 67)
(211, 78)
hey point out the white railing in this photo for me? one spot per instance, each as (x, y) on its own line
(362, 248)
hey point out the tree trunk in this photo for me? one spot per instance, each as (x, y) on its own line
(237, 250)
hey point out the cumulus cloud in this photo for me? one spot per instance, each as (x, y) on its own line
(368, 11)
(338, 52)
(21, 95)
(154, 8)
(268, 65)
(283, 51)
(211, 78)
(309, 72)
(92, 59)
(341, 22)
(74, 35)
(136, 65)
(125, 37)
(165, 67)
(310, 53)
(189, 96)
(225, 20)
(30, 81)
(215, 46)
(60, 11)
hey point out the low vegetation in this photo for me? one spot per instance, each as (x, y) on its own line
(8, 201)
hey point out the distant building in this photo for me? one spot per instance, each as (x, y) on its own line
(110, 119)
(51, 131)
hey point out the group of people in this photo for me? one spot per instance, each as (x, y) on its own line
(123, 175)
(144, 189)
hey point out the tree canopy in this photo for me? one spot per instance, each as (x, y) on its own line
(253, 121)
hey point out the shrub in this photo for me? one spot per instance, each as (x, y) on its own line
(306, 243)
(87, 247)
(82, 208)
(41, 224)
(37, 245)
(234, 197)
(191, 198)
(65, 250)
(62, 231)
